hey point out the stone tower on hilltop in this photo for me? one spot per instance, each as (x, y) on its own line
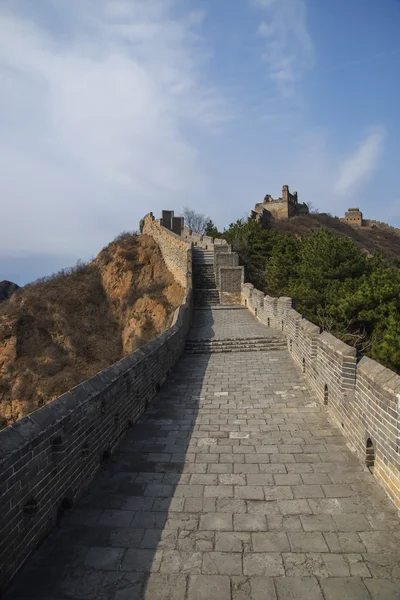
(279, 209)
(353, 217)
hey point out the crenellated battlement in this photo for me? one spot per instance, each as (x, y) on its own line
(49, 458)
(355, 218)
(278, 208)
(362, 396)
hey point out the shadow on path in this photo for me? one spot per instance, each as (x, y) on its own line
(109, 543)
(235, 485)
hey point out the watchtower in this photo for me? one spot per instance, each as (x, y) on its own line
(353, 216)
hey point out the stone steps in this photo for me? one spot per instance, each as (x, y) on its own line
(204, 277)
(211, 346)
(203, 281)
(206, 296)
(205, 291)
(208, 285)
(201, 269)
(202, 257)
(205, 302)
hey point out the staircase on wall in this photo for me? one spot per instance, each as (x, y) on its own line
(251, 344)
(205, 292)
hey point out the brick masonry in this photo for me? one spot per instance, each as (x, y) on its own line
(362, 397)
(235, 485)
(230, 283)
(49, 458)
(203, 241)
(176, 252)
(279, 209)
(224, 259)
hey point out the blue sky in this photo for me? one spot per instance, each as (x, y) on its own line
(110, 109)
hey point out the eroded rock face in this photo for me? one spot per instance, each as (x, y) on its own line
(7, 288)
(59, 332)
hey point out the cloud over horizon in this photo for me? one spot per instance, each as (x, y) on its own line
(358, 168)
(99, 114)
(110, 109)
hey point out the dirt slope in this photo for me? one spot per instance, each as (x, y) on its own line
(62, 330)
(368, 239)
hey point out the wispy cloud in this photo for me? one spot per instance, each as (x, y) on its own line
(264, 3)
(366, 59)
(97, 97)
(360, 165)
(289, 52)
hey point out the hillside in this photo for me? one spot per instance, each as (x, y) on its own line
(64, 329)
(367, 239)
(334, 275)
(7, 288)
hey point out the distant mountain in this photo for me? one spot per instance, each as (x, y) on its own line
(7, 288)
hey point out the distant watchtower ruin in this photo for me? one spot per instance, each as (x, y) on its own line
(354, 217)
(279, 209)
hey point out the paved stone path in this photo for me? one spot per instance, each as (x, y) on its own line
(223, 323)
(233, 486)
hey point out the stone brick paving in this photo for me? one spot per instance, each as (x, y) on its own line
(224, 323)
(234, 486)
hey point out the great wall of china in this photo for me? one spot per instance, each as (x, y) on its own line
(241, 450)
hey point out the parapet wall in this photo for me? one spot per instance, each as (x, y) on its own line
(231, 280)
(363, 398)
(48, 458)
(203, 241)
(225, 259)
(175, 251)
(381, 225)
(229, 276)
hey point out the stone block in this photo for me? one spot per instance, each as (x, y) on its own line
(216, 522)
(181, 562)
(260, 563)
(222, 563)
(209, 587)
(298, 588)
(337, 588)
(253, 588)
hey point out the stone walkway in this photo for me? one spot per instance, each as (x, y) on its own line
(223, 323)
(234, 485)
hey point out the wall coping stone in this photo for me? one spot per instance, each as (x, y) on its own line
(337, 345)
(293, 314)
(362, 398)
(379, 375)
(257, 293)
(309, 328)
(178, 238)
(25, 430)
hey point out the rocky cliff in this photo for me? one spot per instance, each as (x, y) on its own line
(63, 329)
(7, 288)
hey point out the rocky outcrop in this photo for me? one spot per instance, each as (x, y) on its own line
(7, 288)
(63, 330)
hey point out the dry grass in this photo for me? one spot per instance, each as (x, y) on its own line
(367, 239)
(63, 329)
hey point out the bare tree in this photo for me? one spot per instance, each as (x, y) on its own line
(312, 209)
(195, 221)
(345, 332)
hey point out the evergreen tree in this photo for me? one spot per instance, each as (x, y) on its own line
(332, 283)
